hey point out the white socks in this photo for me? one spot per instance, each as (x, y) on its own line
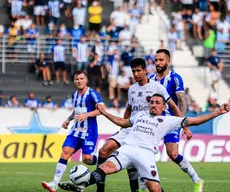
(60, 170)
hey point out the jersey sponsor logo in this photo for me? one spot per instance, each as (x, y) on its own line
(147, 122)
(144, 129)
(139, 94)
(139, 108)
(149, 92)
(132, 92)
(89, 143)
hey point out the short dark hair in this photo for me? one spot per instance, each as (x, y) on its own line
(165, 51)
(78, 72)
(159, 95)
(136, 62)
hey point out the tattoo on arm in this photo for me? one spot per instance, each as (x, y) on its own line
(70, 118)
(181, 103)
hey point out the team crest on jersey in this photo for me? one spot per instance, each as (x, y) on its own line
(160, 120)
(148, 98)
(154, 173)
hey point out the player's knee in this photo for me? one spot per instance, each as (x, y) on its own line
(172, 154)
(66, 154)
(89, 159)
(153, 186)
(104, 152)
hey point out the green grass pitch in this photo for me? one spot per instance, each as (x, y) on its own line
(27, 177)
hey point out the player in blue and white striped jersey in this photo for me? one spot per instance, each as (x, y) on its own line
(174, 85)
(84, 132)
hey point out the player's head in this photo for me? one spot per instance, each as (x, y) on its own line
(139, 70)
(162, 59)
(157, 104)
(80, 79)
(214, 52)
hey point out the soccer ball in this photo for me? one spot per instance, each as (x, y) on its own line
(79, 175)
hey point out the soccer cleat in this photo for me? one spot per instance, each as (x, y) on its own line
(199, 186)
(51, 187)
(69, 186)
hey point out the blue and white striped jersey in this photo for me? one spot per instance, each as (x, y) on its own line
(83, 104)
(58, 53)
(173, 83)
(82, 52)
(16, 7)
(54, 7)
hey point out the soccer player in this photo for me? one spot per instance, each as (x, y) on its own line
(142, 143)
(83, 135)
(139, 95)
(175, 87)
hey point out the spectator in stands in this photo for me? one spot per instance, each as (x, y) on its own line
(2, 30)
(112, 31)
(42, 66)
(67, 103)
(28, 7)
(49, 103)
(79, 15)
(213, 16)
(194, 108)
(24, 23)
(117, 17)
(113, 71)
(135, 15)
(58, 52)
(95, 18)
(126, 57)
(98, 48)
(111, 51)
(1, 97)
(172, 39)
(209, 41)
(40, 11)
(95, 72)
(216, 67)
(188, 98)
(180, 26)
(16, 8)
(102, 34)
(123, 84)
(81, 53)
(125, 36)
(31, 36)
(162, 45)
(197, 22)
(54, 7)
(212, 103)
(31, 102)
(62, 32)
(12, 102)
(223, 26)
(221, 40)
(77, 32)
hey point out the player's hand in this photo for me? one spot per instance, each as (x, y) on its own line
(81, 117)
(101, 108)
(186, 131)
(224, 108)
(65, 124)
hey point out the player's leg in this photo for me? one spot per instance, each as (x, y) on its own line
(109, 147)
(133, 179)
(88, 148)
(70, 145)
(171, 141)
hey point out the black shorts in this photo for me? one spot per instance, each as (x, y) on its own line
(59, 65)
(94, 26)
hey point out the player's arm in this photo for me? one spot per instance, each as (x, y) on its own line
(128, 111)
(116, 120)
(225, 108)
(174, 108)
(67, 121)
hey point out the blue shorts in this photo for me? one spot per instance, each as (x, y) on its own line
(87, 145)
(172, 137)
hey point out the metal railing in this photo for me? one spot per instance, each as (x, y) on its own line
(24, 52)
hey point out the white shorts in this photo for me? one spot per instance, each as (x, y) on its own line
(120, 136)
(143, 159)
(39, 10)
(216, 75)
